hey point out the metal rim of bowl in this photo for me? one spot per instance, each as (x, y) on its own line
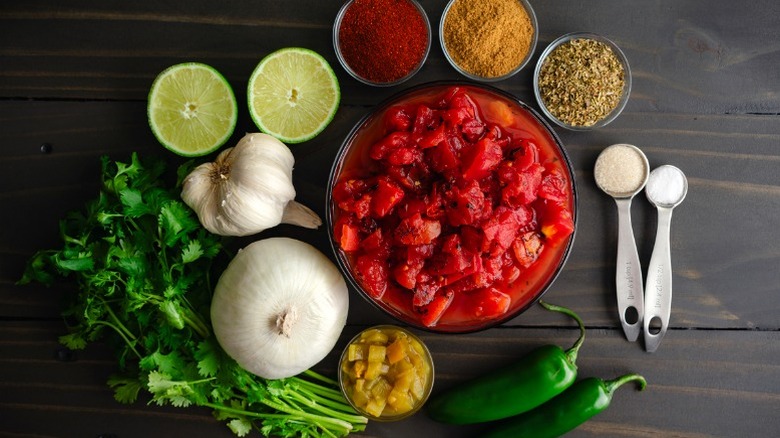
(626, 75)
(473, 77)
(345, 65)
(428, 387)
(343, 263)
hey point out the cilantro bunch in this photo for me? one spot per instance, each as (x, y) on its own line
(142, 263)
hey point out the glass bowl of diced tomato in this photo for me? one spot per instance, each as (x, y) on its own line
(452, 207)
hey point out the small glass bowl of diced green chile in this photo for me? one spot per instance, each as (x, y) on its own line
(582, 81)
(386, 373)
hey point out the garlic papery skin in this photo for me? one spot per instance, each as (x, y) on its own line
(247, 189)
(279, 307)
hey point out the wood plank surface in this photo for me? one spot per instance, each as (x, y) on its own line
(706, 98)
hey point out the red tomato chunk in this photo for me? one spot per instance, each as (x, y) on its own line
(454, 206)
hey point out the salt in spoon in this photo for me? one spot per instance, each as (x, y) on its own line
(666, 188)
(621, 171)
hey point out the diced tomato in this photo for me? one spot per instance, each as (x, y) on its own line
(472, 129)
(472, 264)
(435, 203)
(456, 116)
(386, 196)
(398, 118)
(489, 303)
(433, 138)
(485, 156)
(494, 132)
(510, 274)
(423, 251)
(521, 186)
(423, 121)
(374, 241)
(372, 274)
(471, 239)
(425, 288)
(526, 155)
(527, 248)
(392, 141)
(349, 239)
(432, 313)
(500, 230)
(557, 223)
(403, 156)
(465, 205)
(348, 189)
(406, 273)
(411, 206)
(452, 262)
(415, 230)
(462, 100)
(553, 187)
(445, 157)
(361, 207)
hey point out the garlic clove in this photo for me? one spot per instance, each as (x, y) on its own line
(298, 214)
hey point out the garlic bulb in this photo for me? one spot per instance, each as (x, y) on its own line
(247, 189)
(279, 307)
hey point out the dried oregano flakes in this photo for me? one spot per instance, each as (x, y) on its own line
(581, 81)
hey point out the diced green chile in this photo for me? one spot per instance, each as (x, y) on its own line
(564, 413)
(536, 378)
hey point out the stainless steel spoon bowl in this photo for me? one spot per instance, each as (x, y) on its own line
(621, 171)
(666, 189)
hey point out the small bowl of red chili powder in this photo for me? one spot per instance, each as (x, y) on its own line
(451, 207)
(382, 42)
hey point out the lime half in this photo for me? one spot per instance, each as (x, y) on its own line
(192, 109)
(293, 94)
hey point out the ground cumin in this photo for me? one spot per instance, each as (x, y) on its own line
(487, 38)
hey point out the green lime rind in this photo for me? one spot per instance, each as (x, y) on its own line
(208, 126)
(272, 103)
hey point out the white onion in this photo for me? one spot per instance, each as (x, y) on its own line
(279, 307)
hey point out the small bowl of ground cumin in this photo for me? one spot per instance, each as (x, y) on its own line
(582, 81)
(488, 40)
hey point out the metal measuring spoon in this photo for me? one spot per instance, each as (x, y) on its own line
(666, 188)
(621, 171)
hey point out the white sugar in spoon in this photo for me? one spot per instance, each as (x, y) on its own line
(666, 188)
(621, 171)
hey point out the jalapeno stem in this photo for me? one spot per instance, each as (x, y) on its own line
(612, 385)
(575, 349)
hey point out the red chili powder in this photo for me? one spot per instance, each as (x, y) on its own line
(383, 40)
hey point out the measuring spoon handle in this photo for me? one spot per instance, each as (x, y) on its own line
(658, 294)
(628, 277)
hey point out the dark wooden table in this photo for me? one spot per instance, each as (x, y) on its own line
(706, 98)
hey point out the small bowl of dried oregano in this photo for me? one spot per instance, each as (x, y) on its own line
(582, 81)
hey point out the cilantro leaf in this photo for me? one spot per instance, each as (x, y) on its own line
(191, 252)
(208, 361)
(125, 389)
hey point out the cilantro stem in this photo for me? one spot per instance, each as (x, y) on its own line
(324, 409)
(192, 319)
(316, 376)
(342, 426)
(328, 393)
(122, 334)
(119, 326)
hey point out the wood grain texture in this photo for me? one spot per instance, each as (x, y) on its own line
(706, 98)
(723, 392)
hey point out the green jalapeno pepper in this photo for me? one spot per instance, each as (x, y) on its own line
(564, 413)
(536, 378)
